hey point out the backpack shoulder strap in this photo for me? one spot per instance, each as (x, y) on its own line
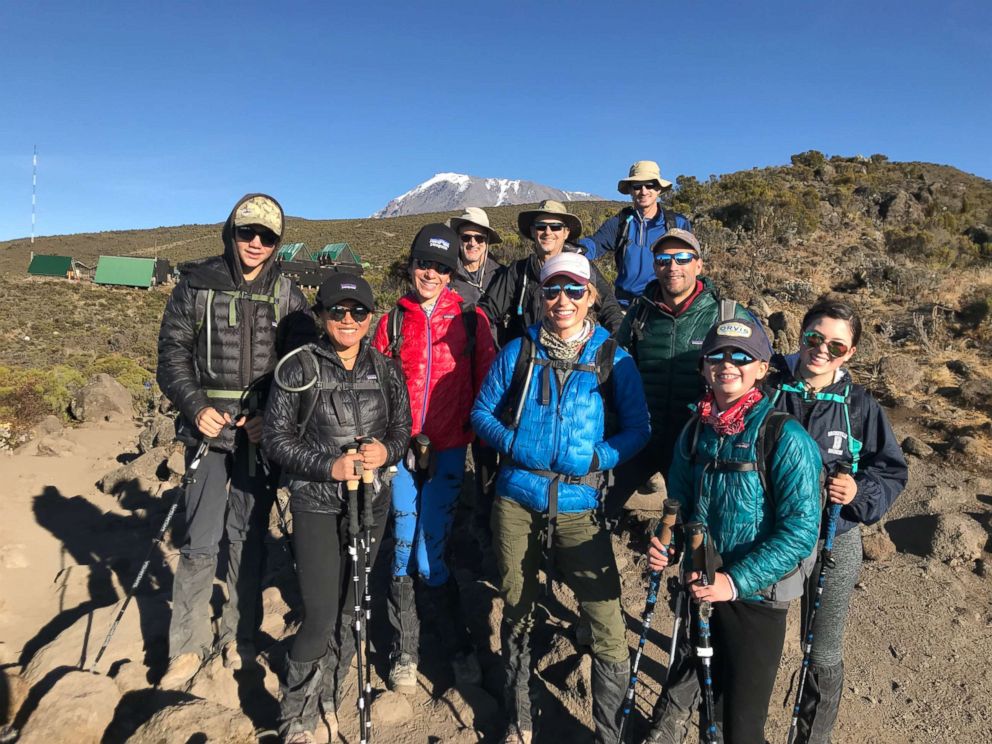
(765, 445)
(518, 380)
(671, 219)
(623, 234)
(308, 399)
(728, 309)
(380, 364)
(284, 293)
(604, 376)
(471, 320)
(394, 331)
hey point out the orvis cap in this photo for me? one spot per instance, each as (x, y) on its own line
(259, 210)
(437, 242)
(344, 286)
(676, 235)
(572, 265)
(745, 335)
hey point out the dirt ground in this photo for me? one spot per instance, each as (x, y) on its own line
(917, 649)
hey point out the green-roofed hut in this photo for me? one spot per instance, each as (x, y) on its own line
(291, 251)
(338, 253)
(60, 266)
(129, 271)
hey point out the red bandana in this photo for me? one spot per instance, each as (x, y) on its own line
(730, 421)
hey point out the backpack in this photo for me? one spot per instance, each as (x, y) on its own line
(626, 216)
(641, 307)
(516, 393)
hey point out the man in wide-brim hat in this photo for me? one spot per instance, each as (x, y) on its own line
(513, 302)
(477, 268)
(630, 234)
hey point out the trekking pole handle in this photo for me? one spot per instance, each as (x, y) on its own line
(666, 527)
(696, 531)
(368, 474)
(422, 451)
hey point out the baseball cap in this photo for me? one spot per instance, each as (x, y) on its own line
(677, 233)
(437, 242)
(573, 265)
(344, 286)
(259, 210)
(745, 335)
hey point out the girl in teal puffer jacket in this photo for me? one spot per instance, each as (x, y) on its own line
(762, 537)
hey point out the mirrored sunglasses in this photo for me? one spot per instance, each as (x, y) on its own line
(681, 258)
(572, 291)
(737, 358)
(423, 264)
(552, 226)
(359, 314)
(247, 233)
(814, 340)
(651, 186)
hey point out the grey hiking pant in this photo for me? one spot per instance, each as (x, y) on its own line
(225, 500)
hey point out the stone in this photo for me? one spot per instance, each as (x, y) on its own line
(877, 545)
(48, 426)
(16, 692)
(471, 706)
(142, 472)
(900, 373)
(52, 446)
(102, 399)
(159, 432)
(959, 367)
(900, 209)
(784, 326)
(917, 447)
(131, 676)
(176, 464)
(958, 539)
(578, 683)
(79, 702)
(274, 612)
(968, 445)
(214, 682)
(977, 393)
(196, 720)
(390, 708)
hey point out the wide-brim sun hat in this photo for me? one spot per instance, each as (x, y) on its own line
(641, 172)
(477, 218)
(573, 265)
(552, 208)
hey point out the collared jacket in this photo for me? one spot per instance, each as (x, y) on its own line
(209, 356)
(635, 263)
(472, 289)
(836, 417)
(567, 435)
(665, 345)
(370, 400)
(760, 537)
(441, 377)
(513, 302)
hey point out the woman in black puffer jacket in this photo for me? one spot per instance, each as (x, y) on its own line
(360, 400)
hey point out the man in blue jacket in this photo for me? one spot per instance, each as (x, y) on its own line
(629, 234)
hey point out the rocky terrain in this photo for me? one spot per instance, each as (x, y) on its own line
(908, 243)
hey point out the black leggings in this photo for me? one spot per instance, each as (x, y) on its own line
(320, 564)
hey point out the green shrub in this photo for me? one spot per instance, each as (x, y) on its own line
(27, 395)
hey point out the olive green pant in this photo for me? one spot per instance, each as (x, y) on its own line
(582, 555)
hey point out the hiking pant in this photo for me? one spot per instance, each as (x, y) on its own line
(582, 555)
(825, 682)
(230, 498)
(747, 639)
(423, 513)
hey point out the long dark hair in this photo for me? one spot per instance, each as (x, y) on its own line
(838, 310)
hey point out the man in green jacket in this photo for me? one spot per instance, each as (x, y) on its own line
(664, 331)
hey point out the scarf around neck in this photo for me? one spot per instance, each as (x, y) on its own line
(561, 349)
(730, 421)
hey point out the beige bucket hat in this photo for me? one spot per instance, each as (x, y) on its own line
(477, 217)
(641, 171)
(556, 208)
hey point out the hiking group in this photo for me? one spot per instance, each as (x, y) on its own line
(571, 394)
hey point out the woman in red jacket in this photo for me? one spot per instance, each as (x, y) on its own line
(445, 352)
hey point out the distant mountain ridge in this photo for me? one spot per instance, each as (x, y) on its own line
(446, 192)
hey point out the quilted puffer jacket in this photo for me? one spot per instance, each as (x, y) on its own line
(442, 379)
(370, 400)
(208, 356)
(566, 436)
(760, 537)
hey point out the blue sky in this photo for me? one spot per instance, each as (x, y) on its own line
(149, 114)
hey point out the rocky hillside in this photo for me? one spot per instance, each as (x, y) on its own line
(445, 192)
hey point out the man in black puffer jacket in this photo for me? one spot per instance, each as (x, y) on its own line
(222, 331)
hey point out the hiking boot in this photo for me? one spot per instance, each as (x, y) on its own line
(515, 735)
(466, 669)
(180, 671)
(403, 675)
(237, 655)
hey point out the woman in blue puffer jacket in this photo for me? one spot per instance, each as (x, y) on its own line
(547, 405)
(764, 534)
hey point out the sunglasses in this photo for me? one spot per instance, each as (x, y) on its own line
(737, 358)
(423, 264)
(681, 258)
(552, 226)
(814, 340)
(572, 291)
(472, 237)
(359, 314)
(247, 233)
(648, 186)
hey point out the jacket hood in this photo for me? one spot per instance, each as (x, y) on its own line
(231, 252)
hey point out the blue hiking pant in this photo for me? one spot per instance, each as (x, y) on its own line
(423, 514)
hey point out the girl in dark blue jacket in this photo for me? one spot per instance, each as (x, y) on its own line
(850, 427)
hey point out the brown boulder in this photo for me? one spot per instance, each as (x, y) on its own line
(140, 473)
(958, 539)
(214, 682)
(899, 373)
(159, 432)
(80, 703)
(877, 545)
(196, 720)
(102, 399)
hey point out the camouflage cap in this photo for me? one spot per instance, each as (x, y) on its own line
(259, 210)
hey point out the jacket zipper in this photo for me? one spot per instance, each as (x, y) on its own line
(427, 382)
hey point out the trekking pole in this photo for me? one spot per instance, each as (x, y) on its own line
(368, 497)
(421, 446)
(696, 537)
(665, 533)
(354, 531)
(676, 586)
(826, 562)
(201, 450)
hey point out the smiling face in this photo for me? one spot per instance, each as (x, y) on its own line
(566, 313)
(677, 281)
(729, 381)
(548, 237)
(474, 243)
(429, 282)
(644, 194)
(255, 245)
(816, 363)
(343, 329)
